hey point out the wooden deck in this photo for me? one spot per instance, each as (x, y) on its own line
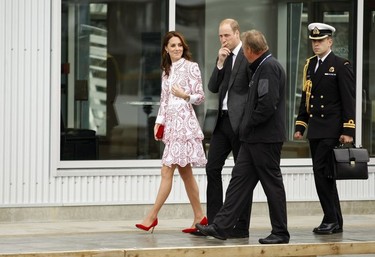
(288, 250)
(121, 238)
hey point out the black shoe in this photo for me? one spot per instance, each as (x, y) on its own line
(239, 233)
(210, 230)
(197, 233)
(274, 239)
(328, 228)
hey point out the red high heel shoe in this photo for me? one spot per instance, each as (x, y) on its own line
(143, 227)
(203, 222)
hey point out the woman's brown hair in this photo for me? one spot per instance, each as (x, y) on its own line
(166, 62)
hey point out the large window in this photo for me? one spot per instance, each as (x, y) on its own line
(110, 56)
(110, 82)
(286, 33)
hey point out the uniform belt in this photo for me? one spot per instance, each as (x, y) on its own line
(223, 113)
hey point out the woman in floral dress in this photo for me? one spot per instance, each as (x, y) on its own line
(181, 88)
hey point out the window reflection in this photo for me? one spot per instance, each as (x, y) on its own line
(295, 15)
(110, 87)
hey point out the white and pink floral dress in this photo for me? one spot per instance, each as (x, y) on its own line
(182, 134)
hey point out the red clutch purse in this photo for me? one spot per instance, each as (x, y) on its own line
(160, 132)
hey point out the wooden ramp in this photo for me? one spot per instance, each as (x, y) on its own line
(286, 250)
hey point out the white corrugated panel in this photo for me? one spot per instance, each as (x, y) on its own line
(2, 99)
(24, 72)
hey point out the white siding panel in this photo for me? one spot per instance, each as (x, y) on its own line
(43, 129)
(5, 110)
(11, 136)
(3, 59)
(25, 94)
(33, 93)
(18, 98)
(26, 89)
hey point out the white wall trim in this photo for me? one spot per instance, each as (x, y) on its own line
(55, 81)
(358, 72)
(172, 15)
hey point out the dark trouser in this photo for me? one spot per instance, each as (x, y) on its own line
(223, 141)
(321, 152)
(256, 162)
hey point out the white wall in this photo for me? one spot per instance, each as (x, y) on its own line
(25, 101)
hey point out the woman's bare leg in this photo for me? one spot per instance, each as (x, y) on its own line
(163, 193)
(192, 191)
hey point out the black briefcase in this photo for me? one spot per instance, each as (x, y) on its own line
(350, 163)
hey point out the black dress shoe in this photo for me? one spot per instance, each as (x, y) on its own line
(210, 230)
(274, 239)
(328, 228)
(197, 233)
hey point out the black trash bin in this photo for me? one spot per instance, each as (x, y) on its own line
(78, 144)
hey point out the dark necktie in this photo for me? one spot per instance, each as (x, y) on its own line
(228, 71)
(319, 63)
(229, 64)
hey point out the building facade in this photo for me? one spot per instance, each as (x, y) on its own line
(80, 87)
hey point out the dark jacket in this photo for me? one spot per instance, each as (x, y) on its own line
(264, 118)
(237, 88)
(332, 102)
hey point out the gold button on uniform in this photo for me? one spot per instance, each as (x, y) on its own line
(311, 115)
(322, 115)
(322, 106)
(321, 96)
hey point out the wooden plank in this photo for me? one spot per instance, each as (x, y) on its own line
(286, 250)
(96, 253)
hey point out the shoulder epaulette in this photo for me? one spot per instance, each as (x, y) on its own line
(305, 72)
(308, 59)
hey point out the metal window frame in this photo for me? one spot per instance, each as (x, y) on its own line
(107, 167)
